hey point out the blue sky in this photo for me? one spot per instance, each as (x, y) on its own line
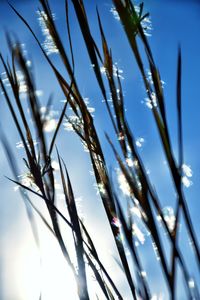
(174, 22)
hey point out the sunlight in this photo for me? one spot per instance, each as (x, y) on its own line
(48, 275)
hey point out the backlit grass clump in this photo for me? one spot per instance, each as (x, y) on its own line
(141, 200)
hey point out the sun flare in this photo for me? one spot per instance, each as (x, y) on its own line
(43, 271)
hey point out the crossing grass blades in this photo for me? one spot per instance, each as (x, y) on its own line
(143, 196)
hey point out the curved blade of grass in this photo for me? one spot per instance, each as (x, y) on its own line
(70, 201)
(129, 238)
